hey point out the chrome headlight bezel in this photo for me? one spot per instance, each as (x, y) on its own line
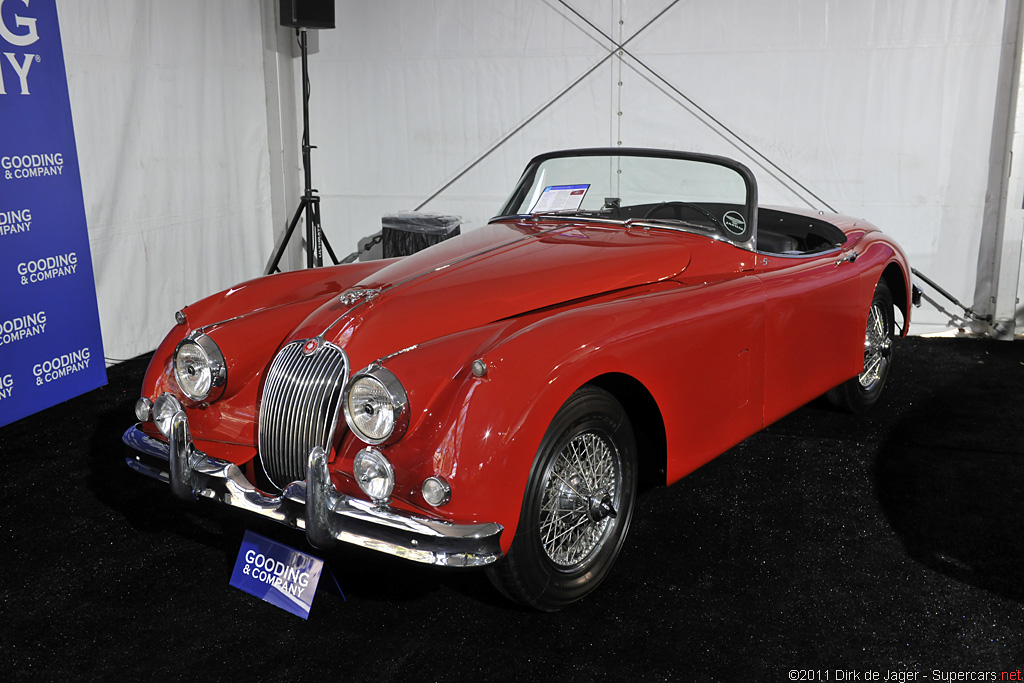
(213, 364)
(376, 377)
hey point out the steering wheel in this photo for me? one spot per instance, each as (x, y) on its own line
(677, 208)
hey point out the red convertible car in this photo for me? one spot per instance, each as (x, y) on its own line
(494, 399)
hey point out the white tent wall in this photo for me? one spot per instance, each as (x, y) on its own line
(884, 109)
(186, 118)
(170, 119)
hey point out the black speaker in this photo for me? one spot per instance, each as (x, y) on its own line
(307, 13)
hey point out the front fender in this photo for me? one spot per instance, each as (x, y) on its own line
(698, 350)
(482, 433)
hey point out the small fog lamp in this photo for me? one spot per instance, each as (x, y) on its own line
(163, 410)
(374, 475)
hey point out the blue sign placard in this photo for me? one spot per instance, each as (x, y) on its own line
(278, 574)
(50, 344)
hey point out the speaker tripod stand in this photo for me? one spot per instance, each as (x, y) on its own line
(309, 203)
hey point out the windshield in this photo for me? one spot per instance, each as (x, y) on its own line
(693, 192)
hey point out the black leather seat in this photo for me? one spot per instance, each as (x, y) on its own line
(774, 243)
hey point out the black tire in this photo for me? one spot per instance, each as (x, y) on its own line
(567, 498)
(858, 394)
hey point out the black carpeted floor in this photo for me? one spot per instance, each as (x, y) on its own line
(828, 542)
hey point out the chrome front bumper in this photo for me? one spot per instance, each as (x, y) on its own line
(315, 506)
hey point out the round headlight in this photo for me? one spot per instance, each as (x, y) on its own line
(376, 407)
(199, 368)
(163, 410)
(374, 474)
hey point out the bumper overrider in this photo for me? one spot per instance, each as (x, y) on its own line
(315, 505)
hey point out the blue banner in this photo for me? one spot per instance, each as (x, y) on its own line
(278, 574)
(50, 344)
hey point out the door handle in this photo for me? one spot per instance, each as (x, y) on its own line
(849, 258)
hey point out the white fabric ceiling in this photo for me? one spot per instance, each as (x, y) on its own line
(887, 110)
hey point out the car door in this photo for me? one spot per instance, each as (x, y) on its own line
(812, 320)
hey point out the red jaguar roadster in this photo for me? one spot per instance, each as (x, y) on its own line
(494, 399)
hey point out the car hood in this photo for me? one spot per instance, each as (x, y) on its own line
(493, 273)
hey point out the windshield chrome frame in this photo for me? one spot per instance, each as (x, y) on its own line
(526, 180)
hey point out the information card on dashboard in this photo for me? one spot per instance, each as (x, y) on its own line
(560, 198)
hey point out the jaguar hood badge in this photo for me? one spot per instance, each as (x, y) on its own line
(353, 296)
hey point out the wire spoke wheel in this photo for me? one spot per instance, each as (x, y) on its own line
(877, 347)
(577, 505)
(580, 497)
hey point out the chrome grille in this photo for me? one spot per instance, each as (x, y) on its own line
(299, 410)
